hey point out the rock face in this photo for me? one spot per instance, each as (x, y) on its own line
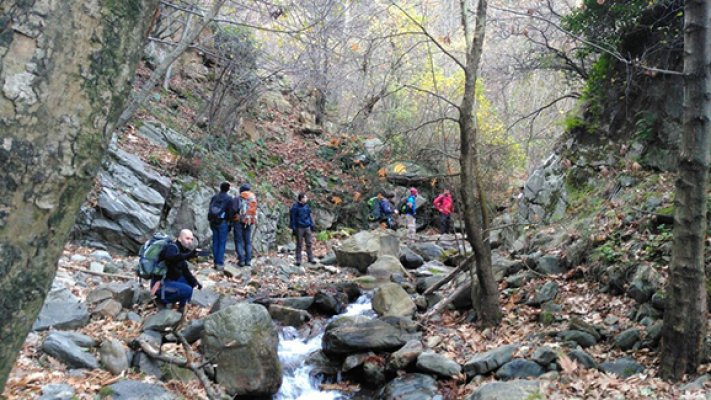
(65, 350)
(391, 299)
(544, 194)
(513, 390)
(242, 341)
(129, 205)
(61, 310)
(347, 336)
(358, 251)
(411, 387)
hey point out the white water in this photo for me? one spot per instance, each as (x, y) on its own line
(293, 352)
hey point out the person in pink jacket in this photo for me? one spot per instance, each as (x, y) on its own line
(444, 205)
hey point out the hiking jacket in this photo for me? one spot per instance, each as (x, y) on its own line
(300, 216)
(175, 257)
(386, 208)
(411, 200)
(443, 204)
(226, 203)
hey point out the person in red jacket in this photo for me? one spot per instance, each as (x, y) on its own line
(444, 205)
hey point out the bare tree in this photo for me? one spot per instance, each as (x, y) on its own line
(685, 322)
(65, 68)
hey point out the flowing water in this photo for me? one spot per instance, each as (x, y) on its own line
(298, 384)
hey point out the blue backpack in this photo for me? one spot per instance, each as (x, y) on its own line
(150, 265)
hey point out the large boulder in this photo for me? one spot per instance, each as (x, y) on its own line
(353, 335)
(392, 299)
(645, 282)
(358, 251)
(429, 251)
(61, 310)
(432, 362)
(242, 340)
(544, 194)
(512, 390)
(410, 259)
(519, 368)
(163, 320)
(407, 174)
(68, 352)
(384, 267)
(411, 387)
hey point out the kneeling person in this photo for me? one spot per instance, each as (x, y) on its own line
(178, 284)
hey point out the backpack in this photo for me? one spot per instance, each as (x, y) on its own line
(216, 211)
(374, 207)
(248, 208)
(150, 264)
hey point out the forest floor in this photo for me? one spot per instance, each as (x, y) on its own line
(450, 334)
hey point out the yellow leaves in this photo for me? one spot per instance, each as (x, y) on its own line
(336, 200)
(400, 168)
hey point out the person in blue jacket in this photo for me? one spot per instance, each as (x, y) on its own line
(302, 226)
(218, 214)
(387, 210)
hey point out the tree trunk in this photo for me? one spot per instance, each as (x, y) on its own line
(684, 328)
(487, 302)
(64, 72)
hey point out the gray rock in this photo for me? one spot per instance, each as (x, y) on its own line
(222, 303)
(354, 361)
(165, 137)
(242, 341)
(550, 265)
(77, 258)
(95, 266)
(389, 245)
(410, 387)
(329, 304)
(544, 294)
(512, 390)
(329, 259)
(624, 367)
(146, 365)
(136, 390)
(113, 356)
(696, 384)
(289, 316)
(79, 339)
(153, 338)
(61, 310)
(101, 255)
(577, 324)
(193, 331)
(658, 301)
(349, 335)
(627, 339)
(384, 267)
(108, 308)
(410, 259)
(653, 335)
(584, 339)
(646, 311)
(204, 298)
(162, 320)
(438, 364)
(582, 358)
(644, 284)
(519, 279)
(299, 303)
(544, 355)
(519, 368)
(68, 352)
(429, 251)
(405, 356)
(491, 360)
(98, 295)
(392, 299)
(358, 251)
(57, 392)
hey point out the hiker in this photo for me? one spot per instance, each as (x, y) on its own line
(409, 209)
(374, 213)
(387, 209)
(444, 205)
(244, 219)
(218, 213)
(302, 226)
(178, 283)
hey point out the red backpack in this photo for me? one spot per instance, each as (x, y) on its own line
(248, 208)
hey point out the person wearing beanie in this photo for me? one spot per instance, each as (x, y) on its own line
(218, 214)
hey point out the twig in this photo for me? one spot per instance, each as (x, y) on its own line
(105, 274)
(462, 267)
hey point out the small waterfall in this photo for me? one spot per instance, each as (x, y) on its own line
(293, 352)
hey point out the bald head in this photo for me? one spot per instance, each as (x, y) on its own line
(186, 238)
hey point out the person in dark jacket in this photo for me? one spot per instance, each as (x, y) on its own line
(178, 284)
(387, 210)
(218, 214)
(302, 226)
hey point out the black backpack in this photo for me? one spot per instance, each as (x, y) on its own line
(216, 211)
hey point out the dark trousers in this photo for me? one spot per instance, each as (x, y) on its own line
(445, 223)
(219, 241)
(243, 242)
(304, 235)
(178, 291)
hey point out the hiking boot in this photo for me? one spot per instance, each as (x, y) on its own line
(313, 261)
(219, 267)
(298, 263)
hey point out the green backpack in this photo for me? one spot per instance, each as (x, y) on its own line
(150, 265)
(374, 207)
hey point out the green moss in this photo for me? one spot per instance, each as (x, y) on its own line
(535, 396)
(669, 210)
(105, 391)
(546, 317)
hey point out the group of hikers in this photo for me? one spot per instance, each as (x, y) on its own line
(239, 214)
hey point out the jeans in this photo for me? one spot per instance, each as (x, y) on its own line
(175, 291)
(304, 235)
(444, 223)
(243, 242)
(219, 241)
